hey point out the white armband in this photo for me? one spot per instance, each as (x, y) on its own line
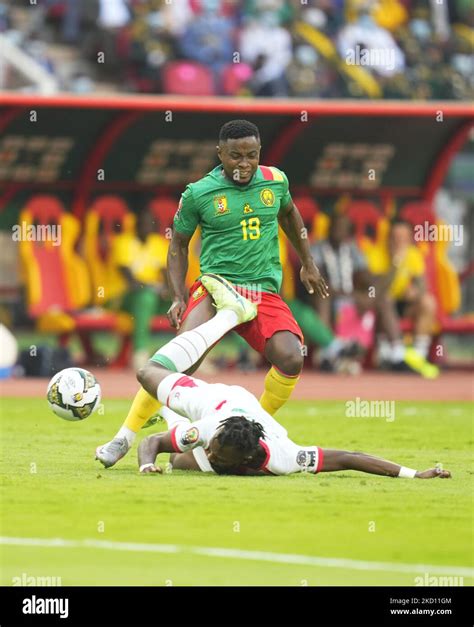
(407, 473)
(143, 466)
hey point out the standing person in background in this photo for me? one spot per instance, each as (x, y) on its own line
(141, 259)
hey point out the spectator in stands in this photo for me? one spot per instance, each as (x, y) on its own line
(267, 47)
(346, 270)
(325, 15)
(150, 43)
(114, 15)
(209, 39)
(365, 43)
(403, 268)
(141, 258)
(413, 48)
(5, 21)
(311, 76)
(176, 16)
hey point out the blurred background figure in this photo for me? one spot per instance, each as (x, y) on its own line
(141, 259)
(9, 351)
(364, 34)
(319, 48)
(266, 46)
(360, 304)
(402, 266)
(209, 39)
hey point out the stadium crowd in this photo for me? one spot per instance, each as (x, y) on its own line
(409, 49)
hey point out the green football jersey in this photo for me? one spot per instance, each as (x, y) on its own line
(239, 225)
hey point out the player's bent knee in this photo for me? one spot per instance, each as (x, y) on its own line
(141, 375)
(146, 378)
(290, 363)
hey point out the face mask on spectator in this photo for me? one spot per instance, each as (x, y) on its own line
(269, 19)
(306, 55)
(155, 19)
(366, 21)
(210, 6)
(315, 17)
(420, 29)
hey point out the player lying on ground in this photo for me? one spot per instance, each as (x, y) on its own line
(230, 432)
(224, 429)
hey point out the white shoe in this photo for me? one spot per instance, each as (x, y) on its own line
(109, 454)
(226, 297)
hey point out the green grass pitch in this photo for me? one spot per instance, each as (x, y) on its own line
(52, 488)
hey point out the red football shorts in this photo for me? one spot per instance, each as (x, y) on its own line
(273, 315)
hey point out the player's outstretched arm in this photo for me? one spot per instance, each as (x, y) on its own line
(150, 448)
(346, 460)
(177, 264)
(292, 225)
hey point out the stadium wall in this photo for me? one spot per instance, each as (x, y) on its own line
(141, 147)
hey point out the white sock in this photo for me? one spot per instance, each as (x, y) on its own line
(398, 352)
(333, 349)
(186, 349)
(128, 434)
(384, 349)
(171, 417)
(422, 345)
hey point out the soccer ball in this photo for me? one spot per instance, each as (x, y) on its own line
(73, 394)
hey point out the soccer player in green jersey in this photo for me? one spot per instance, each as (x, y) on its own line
(238, 206)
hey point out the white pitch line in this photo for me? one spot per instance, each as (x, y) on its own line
(259, 556)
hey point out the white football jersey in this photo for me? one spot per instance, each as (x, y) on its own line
(206, 405)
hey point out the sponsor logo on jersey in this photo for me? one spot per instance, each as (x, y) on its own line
(267, 197)
(198, 292)
(247, 208)
(191, 436)
(306, 459)
(220, 205)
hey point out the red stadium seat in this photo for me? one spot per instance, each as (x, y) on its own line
(418, 212)
(308, 209)
(187, 78)
(45, 209)
(164, 209)
(234, 76)
(56, 278)
(365, 216)
(112, 212)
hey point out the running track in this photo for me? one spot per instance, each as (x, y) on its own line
(450, 386)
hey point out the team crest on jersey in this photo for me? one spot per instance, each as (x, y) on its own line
(198, 292)
(220, 205)
(306, 459)
(247, 208)
(191, 436)
(267, 197)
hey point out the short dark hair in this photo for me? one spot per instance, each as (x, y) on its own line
(236, 129)
(240, 433)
